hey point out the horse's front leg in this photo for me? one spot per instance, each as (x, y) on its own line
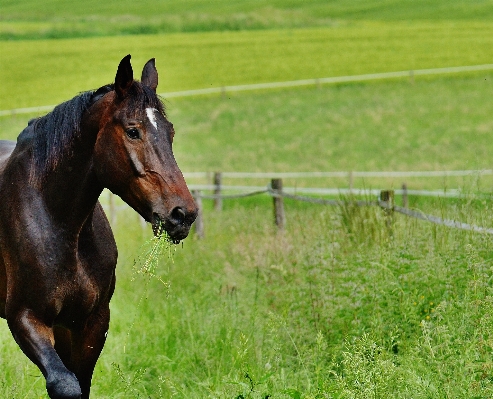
(36, 340)
(87, 345)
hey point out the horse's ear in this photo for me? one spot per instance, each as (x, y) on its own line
(124, 77)
(149, 74)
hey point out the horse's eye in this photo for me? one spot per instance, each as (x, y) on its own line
(133, 133)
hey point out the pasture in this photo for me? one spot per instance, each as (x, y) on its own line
(58, 19)
(214, 59)
(335, 306)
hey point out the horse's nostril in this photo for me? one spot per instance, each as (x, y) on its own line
(177, 216)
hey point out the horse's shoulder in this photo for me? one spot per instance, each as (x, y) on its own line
(96, 238)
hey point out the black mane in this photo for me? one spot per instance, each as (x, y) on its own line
(54, 132)
(57, 132)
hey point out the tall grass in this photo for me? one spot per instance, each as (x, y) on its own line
(333, 307)
(321, 310)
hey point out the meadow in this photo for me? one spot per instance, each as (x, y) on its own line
(55, 19)
(37, 72)
(337, 305)
(332, 307)
(384, 126)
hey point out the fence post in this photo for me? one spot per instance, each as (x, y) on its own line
(218, 202)
(405, 199)
(279, 216)
(387, 204)
(199, 221)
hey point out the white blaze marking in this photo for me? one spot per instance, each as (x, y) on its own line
(151, 116)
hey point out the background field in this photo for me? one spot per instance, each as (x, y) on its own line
(60, 18)
(336, 306)
(41, 73)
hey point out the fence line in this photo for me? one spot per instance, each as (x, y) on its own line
(392, 207)
(444, 222)
(385, 201)
(279, 194)
(252, 190)
(330, 80)
(229, 196)
(292, 83)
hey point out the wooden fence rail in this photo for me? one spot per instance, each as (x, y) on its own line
(276, 189)
(386, 201)
(341, 174)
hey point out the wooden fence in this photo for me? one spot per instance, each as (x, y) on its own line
(386, 201)
(218, 192)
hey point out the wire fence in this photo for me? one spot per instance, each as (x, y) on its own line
(385, 201)
(241, 190)
(218, 192)
(381, 198)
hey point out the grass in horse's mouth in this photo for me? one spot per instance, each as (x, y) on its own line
(158, 226)
(153, 251)
(160, 232)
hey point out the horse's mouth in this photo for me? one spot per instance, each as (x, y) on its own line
(157, 226)
(172, 232)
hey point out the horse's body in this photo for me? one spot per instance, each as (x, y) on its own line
(57, 251)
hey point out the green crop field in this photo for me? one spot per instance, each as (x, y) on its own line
(338, 305)
(45, 72)
(31, 19)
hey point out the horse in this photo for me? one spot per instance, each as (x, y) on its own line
(57, 251)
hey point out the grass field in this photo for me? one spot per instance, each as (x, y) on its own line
(391, 126)
(336, 306)
(47, 72)
(31, 19)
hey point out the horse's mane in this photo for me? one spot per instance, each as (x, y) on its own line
(56, 133)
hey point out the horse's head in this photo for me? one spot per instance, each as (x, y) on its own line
(133, 153)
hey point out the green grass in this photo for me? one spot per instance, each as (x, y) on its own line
(61, 18)
(334, 307)
(319, 310)
(431, 124)
(386, 126)
(323, 310)
(50, 71)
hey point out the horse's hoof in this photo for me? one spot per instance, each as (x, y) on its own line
(63, 386)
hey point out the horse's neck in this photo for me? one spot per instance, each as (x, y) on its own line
(71, 190)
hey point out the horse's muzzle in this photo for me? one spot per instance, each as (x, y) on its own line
(177, 224)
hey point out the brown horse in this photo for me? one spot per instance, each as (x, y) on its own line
(57, 251)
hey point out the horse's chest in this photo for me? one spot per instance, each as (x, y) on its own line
(75, 299)
(87, 292)
(81, 296)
